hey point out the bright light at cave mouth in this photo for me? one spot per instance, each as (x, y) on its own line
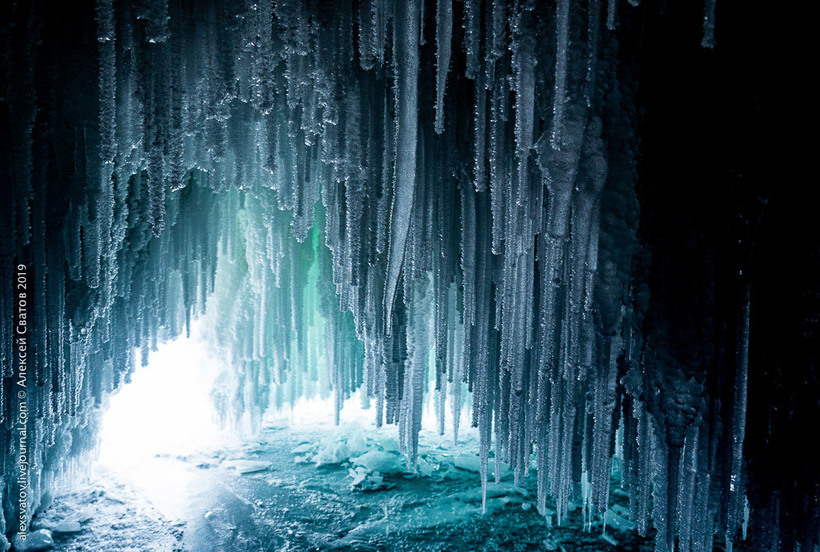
(166, 408)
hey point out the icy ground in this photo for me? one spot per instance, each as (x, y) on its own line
(304, 490)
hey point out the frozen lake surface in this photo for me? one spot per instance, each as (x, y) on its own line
(345, 489)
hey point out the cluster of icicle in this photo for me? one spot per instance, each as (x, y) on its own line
(367, 193)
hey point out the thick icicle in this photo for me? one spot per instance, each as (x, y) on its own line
(444, 38)
(406, 94)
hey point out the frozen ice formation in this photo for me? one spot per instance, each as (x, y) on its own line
(372, 195)
(36, 541)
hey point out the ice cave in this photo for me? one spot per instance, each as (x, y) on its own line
(407, 275)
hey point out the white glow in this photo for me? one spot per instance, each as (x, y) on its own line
(166, 408)
(164, 413)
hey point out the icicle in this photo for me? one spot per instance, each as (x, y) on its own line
(472, 37)
(603, 405)
(480, 135)
(369, 12)
(593, 31)
(416, 372)
(708, 40)
(562, 52)
(407, 55)
(737, 495)
(498, 168)
(444, 37)
(524, 71)
(108, 110)
(611, 14)
(468, 252)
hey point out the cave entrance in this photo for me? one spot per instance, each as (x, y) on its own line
(166, 408)
(171, 477)
(160, 419)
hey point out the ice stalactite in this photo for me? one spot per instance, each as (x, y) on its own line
(737, 498)
(561, 53)
(356, 210)
(611, 14)
(472, 37)
(407, 68)
(708, 40)
(444, 37)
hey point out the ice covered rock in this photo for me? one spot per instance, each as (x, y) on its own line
(85, 515)
(333, 453)
(363, 480)
(389, 444)
(382, 462)
(303, 448)
(358, 475)
(472, 463)
(424, 467)
(348, 441)
(617, 521)
(34, 541)
(468, 462)
(68, 526)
